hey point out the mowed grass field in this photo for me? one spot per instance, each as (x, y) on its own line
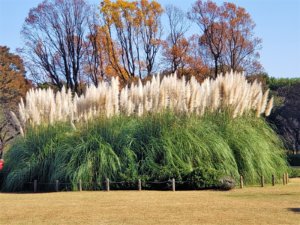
(251, 205)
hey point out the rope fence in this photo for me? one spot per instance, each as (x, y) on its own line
(139, 185)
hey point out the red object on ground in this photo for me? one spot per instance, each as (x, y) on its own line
(1, 164)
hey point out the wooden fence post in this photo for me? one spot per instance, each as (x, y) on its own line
(173, 184)
(80, 185)
(107, 184)
(262, 181)
(241, 181)
(56, 185)
(287, 178)
(283, 179)
(273, 180)
(35, 186)
(140, 185)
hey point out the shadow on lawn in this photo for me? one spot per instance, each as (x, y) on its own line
(295, 210)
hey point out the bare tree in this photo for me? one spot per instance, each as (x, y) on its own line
(240, 44)
(207, 16)
(150, 30)
(227, 33)
(176, 45)
(95, 54)
(55, 34)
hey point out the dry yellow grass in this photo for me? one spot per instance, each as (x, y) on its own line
(251, 205)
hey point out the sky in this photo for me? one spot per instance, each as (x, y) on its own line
(277, 23)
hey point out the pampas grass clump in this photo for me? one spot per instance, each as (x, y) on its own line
(169, 128)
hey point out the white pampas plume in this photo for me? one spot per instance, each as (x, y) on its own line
(140, 110)
(264, 101)
(22, 113)
(115, 95)
(269, 107)
(230, 92)
(258, 110)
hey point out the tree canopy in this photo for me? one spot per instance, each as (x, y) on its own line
(71, 43)
(13, 84)
(227, 34)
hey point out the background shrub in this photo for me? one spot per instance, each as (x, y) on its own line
(201, 178)
(294, 160)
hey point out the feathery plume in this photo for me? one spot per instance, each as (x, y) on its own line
(269, 107)
(229, 91)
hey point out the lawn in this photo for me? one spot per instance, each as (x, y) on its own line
(251, 205)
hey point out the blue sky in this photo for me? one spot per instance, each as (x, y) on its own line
(277, 23)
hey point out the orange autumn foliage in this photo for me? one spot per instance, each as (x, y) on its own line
(133, 31)
(13, 84)
(227, 34)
